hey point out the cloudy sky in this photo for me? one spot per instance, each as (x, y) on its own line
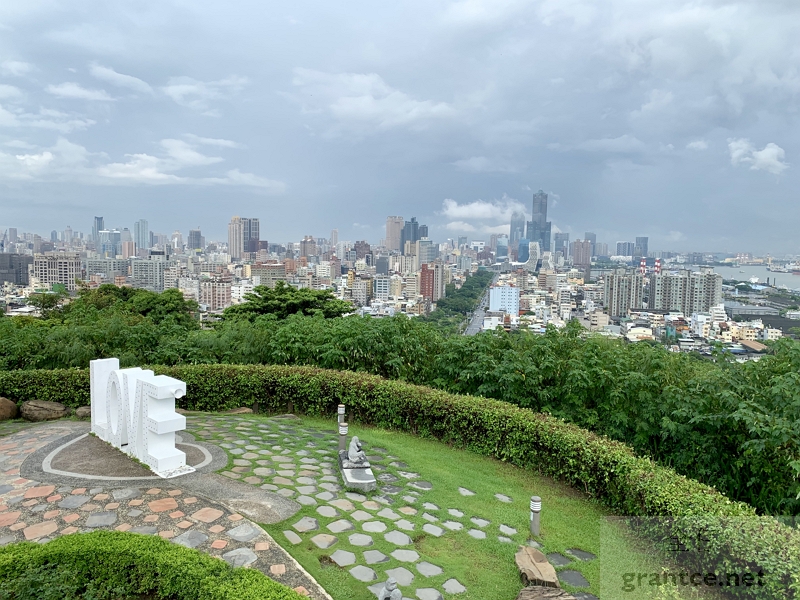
(673, 119)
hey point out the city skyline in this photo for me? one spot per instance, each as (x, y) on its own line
(670, 119)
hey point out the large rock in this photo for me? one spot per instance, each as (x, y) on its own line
(84, 412)
(535, 569)
(42, 410)
(242, 410)
(8, 409)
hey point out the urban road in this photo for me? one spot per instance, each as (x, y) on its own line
(476, 321)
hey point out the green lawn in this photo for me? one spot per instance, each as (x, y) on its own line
(485, 567)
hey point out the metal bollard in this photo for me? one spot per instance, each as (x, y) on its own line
(536, 509)
(340, 413)
(342, 436)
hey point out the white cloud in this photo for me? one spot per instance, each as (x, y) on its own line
(236, 177)
(213, 141)
(770, 158)
(15, 67)
(482, 164)
(44, 119)
(482, 210)
(127, 81)
(9, 91)
(364, 101)
(198, 95)
(697, 145)
(675, 236)
(72, 90)
(657, 102)
(624, 144)
(184, 155)
(459, 226)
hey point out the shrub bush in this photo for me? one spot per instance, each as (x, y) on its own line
(607, 470)
(113, 565)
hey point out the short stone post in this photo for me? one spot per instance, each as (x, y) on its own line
(342, 436)
(536, 509)
(340, 413)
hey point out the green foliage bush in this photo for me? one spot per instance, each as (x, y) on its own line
(110, 565)
(605, 469)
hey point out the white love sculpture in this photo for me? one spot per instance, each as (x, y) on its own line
(134, 410)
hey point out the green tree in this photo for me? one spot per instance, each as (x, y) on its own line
(284, 300)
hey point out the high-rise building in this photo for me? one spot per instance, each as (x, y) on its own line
(524, 250)
(623, 292)
(14, 268)
(423, 231)
(334, 238)
(308, 247)
(539, 227)
(504, 298)
(67, 236)
(426, 252)
(362, 248)
(12, 235)
(141, 234)
(561, 243)
(97, 226)
(215, 295)
(432, 281)
(501, 245)
(517, 231)
(236, 238)
(625, 248)
(600, 249)
(686, 291)
(57, 268)
(462, 241)
(581, 253)
(640, 248)
(251, 233)
(591, 237)
(410, 233)
(176, 240)
(394, 231)
(195, 239)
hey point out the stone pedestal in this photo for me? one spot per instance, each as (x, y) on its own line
(357, 480)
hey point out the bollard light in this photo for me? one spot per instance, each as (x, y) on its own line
(536, 509)
(340, 413)
(342, 436)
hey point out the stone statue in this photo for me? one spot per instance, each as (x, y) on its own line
(390, 591)
(355, 454)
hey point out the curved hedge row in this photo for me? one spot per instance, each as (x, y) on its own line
(111, 565)
(607, 470)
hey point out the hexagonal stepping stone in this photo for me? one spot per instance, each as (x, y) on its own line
(452, 586)
(306, 524)
(355, 497)
(404, 525)
(398, 538)
(573, 578)
(558, 560)
(504, 539)
(343, 504)
(509, 530)
(428, 594)
(292, 537)
(327, 511)
(306, 500)
(428, 569)
(360, 539)
(388, 513)
(408, 474)
(453, 525)
(402, 575)
(407, 510)
(361, 515)
(241, 557)
(264, 472)
(580, 554)
(432, 529)
(374, 527)
(387, 478)
(102, 519)
(391, 489)
(325, 496)
(73, 501)
(363, 573)
(465, 492)
(324, 540)
(244, 532)
(306, 480)
(421, 485)
(343, 558)
(477, 534)
(281, 481)
(340, 526)
(371, 505)
(454, 512)
(430, 506)
(406, 555)
(429, 517)
(373, 557)
(190, 539)
(479, 522)
(126, 494)
(306, 489)
(331, 487)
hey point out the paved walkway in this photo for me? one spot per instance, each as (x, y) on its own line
(42, 510)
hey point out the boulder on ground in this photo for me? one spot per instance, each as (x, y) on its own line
(8, 409)
(535, 569)
(42, 410)
(242, 410)
(84, 412)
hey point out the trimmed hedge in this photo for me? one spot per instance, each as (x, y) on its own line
(607, 470)
(114, 565)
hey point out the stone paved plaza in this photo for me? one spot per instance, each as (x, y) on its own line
(371, 538)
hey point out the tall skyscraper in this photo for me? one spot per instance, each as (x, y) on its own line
(410, 233)
(591, 237)
(685, 291)
(308, 247)
(561, 243)
(97, 226)
(423, 231)
(195, 239)
(623, 291)
(394, 231)
(236, 238)
(517, 228)
(581, 253)
(640, 249)
(334, 238)
(251, 233)
(625, 248)
(539, 227)
(141, 234)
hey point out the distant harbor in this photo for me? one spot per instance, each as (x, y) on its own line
(747, 272)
